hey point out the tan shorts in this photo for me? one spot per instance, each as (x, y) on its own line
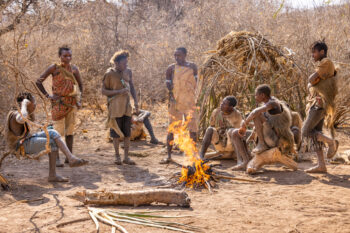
(65, 126)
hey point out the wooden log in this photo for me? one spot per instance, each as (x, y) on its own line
(134, 198)
(270, 156)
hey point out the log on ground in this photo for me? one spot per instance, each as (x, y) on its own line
(134, 198)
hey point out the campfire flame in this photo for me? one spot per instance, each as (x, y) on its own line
(194, 171)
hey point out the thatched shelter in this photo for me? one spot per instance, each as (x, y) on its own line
(242, 61)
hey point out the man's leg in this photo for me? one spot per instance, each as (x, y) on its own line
(321, 165)
(332, 144)
(69, 143)
(240, 149)
(206, 141)
(117, 161)
(53, 177)
(148, 126)
(127, 160)
(297, 136)
(312, 128)
(125, 126)
(69, 125)
(258, 123)
(59, 126)
(169, 147)
(116, 143)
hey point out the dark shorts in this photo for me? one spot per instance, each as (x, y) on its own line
(124, 124)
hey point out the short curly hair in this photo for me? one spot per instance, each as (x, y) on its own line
(24, 95)
(264, 89)
(119, 55)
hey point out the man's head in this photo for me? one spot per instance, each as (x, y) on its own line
(228, 104)
(262, 93)
(180, 55)
(120, 60)
(26, 95)
(65, 54)
(319, 50)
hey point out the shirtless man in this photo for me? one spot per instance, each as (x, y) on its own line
(181, 81)
(65, 96)
(117, 85)
(20, 140)
(223, 121)
(272, 123)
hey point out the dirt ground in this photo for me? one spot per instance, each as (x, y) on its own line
(287, 202)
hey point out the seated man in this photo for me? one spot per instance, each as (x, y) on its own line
(222, 123)
(272, 123)
(137, 121)
(20, 140)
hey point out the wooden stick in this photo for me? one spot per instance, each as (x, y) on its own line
(73, 221)
(207, 185)
(238, 179)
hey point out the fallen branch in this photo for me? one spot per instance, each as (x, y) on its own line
(238, 179)
(72, 221)
(134, 198)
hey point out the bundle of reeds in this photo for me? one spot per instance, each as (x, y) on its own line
(242, 61)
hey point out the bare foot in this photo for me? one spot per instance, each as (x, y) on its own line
(117, 160)
(317, 169)
(166, 161)
(129, 161)
(154, 141)
(76, 162)
(261, 147)
(332, 150)
(57, 178)
(240, 167)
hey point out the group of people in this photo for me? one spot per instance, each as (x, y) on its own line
(272, 124)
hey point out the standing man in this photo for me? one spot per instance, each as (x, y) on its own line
(181, 81)
(65, 96)
(117, 84)
(322, 87)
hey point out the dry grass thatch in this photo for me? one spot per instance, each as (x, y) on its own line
(242, 61)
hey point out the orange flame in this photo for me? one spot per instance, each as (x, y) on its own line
(188, 146)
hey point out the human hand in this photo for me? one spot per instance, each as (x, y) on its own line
(53, 97)
(169, 84)
(123, 91)
(242, 131)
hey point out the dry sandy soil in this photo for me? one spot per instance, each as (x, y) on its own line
(287, 202)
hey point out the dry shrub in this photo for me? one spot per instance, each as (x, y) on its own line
(151, 30)
(242, 61)
(342, 108)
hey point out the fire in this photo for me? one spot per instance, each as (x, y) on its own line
(194, 170)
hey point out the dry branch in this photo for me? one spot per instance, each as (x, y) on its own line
(134, 198)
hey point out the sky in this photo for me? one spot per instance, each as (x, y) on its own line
(310, 3)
